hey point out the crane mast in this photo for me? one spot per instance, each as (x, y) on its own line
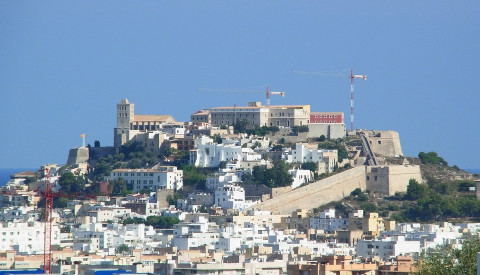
(352, 90)
(47, 249)
(352, 96)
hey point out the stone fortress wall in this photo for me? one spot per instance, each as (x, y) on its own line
(78, 155)
(385, 143)
(383, 179)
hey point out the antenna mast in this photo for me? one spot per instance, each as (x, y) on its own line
(352, 95)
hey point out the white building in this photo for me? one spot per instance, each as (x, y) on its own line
(26, 237)
(162, 177)
(300, 177)
(230, 197)
(216, 180)
(388, 247)
(199, 232)
(326, 159)
(328, 222)
(210, 154)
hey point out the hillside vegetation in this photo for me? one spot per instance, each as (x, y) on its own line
(445, 195)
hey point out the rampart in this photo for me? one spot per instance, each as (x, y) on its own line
(390, 179)
(329, 130)
(77, 155)
(382, 179)
(318, 193)
(386, 143)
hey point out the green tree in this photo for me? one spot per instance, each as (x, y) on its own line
(131, 147)
(222, 165)
(256, 145)
(448, 260)
(101, 170)
(122, 249)
(96, 143)
(277, 176)
(431, 157)
(416, 190)
(277, 148)
(217, 138)
(312, 166)
(118, 187)
(135, 164)
(356, 192)
(192, 175)
(240, 126)
(60, 202)
(369, 207)
(69, 183)
(203, 209)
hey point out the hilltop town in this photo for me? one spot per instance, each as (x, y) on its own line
(256, 189)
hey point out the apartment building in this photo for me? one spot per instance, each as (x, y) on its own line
(210, 154)
(326, 159)
(230, 197)
(256, 115)
(161, 177)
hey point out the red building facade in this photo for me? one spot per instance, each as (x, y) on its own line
(326, 117)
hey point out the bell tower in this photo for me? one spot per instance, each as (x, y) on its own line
(125, 114)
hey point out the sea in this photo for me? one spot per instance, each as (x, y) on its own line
(6, 172)
(473, 171)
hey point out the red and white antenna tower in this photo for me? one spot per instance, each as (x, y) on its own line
(352, 95)
(352, 81)
(47, 250)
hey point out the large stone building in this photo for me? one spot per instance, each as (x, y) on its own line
(129, 124)
(256, 114)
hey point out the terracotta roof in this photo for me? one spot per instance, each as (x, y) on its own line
(162, 118)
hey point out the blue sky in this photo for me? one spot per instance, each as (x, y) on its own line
(65, 65)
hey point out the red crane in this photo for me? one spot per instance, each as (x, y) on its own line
(47, 251)
(49, 195)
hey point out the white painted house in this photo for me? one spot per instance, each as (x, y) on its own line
(210, 154)
(230, 197)
(326, 159)
(220, 179)
(300, 177)
(162, 177)
(328, 222)
(388, 247)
